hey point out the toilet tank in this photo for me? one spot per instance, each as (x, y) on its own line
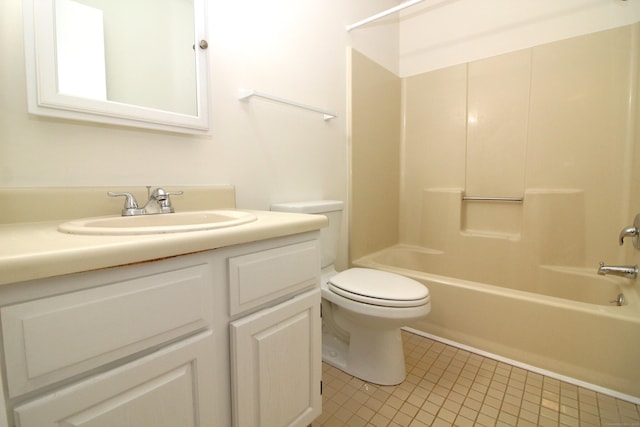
(329, 236)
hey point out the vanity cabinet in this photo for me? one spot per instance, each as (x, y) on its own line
(161, 343)
(276, 364)
(276, 352)
(170, 387)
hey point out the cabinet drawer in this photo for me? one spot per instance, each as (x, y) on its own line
(171, 387)
(53, 338)
(257, 278)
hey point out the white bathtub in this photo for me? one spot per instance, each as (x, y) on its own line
(555, 318)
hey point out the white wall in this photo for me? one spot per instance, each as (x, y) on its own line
(439, 33)
(289, 48)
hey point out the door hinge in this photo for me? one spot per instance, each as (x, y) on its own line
(320, 387)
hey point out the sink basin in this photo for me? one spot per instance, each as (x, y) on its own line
(155, 224)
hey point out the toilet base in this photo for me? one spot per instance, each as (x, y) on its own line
(378, 356)
(334, 351)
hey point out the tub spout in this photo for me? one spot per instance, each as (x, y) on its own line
(630, 272)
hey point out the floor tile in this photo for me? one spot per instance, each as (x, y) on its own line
(447, 386)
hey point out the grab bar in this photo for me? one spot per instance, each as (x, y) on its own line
(493, 199)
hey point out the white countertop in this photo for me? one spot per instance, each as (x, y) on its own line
(37, 249)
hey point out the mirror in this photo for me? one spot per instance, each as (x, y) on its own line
(136, 63)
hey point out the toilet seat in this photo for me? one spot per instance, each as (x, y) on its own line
(380, 288)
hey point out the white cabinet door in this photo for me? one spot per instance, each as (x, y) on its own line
(276, 364)
(171, 387)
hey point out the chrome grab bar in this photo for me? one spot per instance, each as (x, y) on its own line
(493, 199)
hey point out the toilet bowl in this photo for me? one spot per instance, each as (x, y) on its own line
(362, 309)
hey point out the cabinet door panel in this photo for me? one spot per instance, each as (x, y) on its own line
(171, 387)
(276, 364)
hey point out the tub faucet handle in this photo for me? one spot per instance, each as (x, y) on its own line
(633, 232)
(628, 232)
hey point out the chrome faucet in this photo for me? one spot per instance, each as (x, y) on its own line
(632, 231)
(630, 272)
(158, 203)
(627, 232)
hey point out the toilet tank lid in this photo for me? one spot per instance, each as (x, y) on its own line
(310, 206)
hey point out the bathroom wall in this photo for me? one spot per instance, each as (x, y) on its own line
(474, 99)
(270, 152)
(375, 158)
(631, 254)
(552, 124)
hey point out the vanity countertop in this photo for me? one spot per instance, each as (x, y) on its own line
(35, 249)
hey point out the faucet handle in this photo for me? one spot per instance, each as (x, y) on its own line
(627, 232)
(130, 203)
(160, 193)
(633, 231)
(164, 201)
(174, 193)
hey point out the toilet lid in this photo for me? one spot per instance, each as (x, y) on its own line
(379, 288)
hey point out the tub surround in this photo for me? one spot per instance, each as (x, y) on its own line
(33, 247)
(555, 124)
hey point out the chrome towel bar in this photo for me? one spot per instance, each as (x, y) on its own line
(493, 199)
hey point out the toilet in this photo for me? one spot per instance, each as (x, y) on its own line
(362, 309)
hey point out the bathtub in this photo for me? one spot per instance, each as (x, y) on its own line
(555, 318)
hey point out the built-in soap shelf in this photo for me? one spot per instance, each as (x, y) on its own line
(448, 223)
(492, 220)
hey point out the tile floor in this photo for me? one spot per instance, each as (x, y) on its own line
(447, 386)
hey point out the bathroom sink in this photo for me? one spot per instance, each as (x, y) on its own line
(155, 224)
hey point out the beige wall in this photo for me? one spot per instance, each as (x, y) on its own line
(633, 155)
(552, 124)
(375, 156)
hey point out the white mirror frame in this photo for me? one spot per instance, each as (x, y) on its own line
(42, 83)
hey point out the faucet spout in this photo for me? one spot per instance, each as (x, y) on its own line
(630, 272)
